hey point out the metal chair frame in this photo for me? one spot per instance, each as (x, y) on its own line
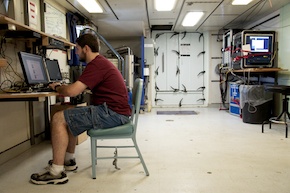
(127, 131)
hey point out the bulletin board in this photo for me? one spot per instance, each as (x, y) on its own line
(54, 21)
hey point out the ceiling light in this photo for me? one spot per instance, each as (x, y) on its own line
(191, 18)
(92, 6)
(241, 2)
(164, 5)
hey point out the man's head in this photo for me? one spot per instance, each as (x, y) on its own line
(87, 43)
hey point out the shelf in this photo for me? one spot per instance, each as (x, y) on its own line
(260, 70)
(13, 25)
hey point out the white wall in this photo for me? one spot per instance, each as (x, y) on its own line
(214, 59)
(14, 116)
(283, 43)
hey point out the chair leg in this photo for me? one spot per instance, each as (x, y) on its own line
(140, 156)
(116, 159)
(286, 135)
(264, 122)
(93, 155)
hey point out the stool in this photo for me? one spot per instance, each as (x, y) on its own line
(284, 116)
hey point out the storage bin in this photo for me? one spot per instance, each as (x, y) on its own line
(256, 103)
(234, 100)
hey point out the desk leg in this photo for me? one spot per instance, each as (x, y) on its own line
(46, 118)
(31, 122)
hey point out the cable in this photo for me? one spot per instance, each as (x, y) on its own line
(254, 10)
(10, 75)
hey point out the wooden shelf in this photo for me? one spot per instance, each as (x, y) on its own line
(16, 26)
(260, 70)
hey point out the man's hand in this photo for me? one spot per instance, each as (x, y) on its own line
(54, 85)
(70, 90)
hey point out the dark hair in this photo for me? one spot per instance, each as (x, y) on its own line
(90, 40)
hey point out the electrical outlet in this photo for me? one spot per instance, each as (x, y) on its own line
(3, 62)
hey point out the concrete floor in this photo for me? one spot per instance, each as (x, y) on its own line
(211, 152)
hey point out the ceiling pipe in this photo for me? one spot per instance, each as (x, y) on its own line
(112, 10)
(209, 15)
(254, 6)
(148, 20)
(178, 15)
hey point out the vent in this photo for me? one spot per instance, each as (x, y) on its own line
(161, 27)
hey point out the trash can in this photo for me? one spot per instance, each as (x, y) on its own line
(256, 103)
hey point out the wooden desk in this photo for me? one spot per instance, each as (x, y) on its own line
(30, 97)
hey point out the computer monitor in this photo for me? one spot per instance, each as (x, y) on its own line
(260, 43)
(33, 68)
(53, 70)
(261, 49)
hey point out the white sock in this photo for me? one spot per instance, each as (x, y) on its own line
(56, 169)
(69, 156)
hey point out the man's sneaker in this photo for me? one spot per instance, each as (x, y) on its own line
(47, 178)
(70, 165)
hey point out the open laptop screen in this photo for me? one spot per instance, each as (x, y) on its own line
(33, 68)
(53, 70)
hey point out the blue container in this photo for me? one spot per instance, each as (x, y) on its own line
(234, 99)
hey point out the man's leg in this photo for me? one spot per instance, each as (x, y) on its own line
(60, 141)
(69, 159)
(59, 138)
(71, 143)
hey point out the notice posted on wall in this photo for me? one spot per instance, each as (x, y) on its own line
(32, 13)
(185, 50)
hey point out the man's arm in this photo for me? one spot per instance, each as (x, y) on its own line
(69, 90)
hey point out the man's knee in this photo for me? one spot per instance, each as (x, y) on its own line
(58, 117)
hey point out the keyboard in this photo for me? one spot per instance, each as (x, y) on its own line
(44, 89)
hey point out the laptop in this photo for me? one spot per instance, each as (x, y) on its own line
(36, 75)
(33, 69)
(53, 70)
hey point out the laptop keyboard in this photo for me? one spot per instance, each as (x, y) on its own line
(44, 89)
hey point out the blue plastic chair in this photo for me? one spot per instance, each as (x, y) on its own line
(120, 132)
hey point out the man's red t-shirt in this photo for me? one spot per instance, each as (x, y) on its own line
(107, 85)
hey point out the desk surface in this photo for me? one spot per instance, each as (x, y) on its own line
(26, 95)
(260, 70)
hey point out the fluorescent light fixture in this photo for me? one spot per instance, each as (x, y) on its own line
(191, 19)
(92, 6)
(241, 2)
(164, 5)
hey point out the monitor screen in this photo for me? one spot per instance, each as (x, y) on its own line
(53, 70)
(260, 42)
(33, 68)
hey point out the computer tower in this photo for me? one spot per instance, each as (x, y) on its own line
(228, 46)
(236, 51)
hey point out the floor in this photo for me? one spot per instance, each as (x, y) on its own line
(211, 152)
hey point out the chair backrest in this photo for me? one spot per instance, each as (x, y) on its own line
(136, 101)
